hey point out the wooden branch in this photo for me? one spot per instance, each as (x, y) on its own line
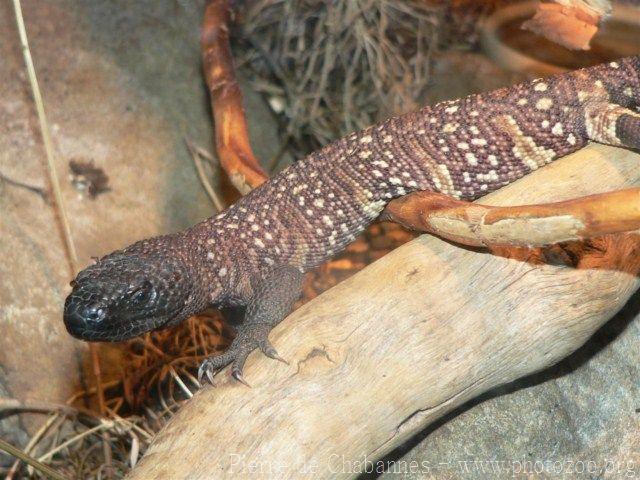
(570, 23)
(527, 225)
(232, 138)
(384, 354)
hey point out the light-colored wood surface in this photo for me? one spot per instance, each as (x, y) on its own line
(539, 225)
(385, 353)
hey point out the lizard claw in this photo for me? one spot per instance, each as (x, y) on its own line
(237, 374)
(212, 365)
(210, 375)
(236, 355)
(271, 352)
(206, 369)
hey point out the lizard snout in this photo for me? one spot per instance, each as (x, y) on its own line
(78, 319)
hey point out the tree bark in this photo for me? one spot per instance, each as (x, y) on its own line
(381, 356)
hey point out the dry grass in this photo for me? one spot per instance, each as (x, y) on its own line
(158, 376)
(333, 67)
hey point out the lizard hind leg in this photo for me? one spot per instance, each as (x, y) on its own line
(271, 303)
(612, 124)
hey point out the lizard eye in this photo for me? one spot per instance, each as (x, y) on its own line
(142, 294)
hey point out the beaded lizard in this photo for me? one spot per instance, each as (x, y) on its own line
(254, 253)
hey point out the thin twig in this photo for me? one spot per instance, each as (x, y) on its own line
(179, 381)
(196, 156)
(32, 188)
(46, 138)
(46, 407)
(16, 452)
(32, 442)
(72, 440)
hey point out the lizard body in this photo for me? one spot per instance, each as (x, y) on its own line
(254, 253)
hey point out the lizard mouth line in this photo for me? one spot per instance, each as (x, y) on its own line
(78, 326)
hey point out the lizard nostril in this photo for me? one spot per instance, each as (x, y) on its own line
(94, 314)
(81, 320)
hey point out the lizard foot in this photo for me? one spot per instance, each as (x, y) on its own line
(273, 300)
(247, 340)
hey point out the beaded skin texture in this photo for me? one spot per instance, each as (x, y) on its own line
(254, 253)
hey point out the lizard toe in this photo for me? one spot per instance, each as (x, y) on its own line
(271, 352)
(237, 374)
(212, 365)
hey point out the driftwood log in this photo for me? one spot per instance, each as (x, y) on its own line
(384, 354)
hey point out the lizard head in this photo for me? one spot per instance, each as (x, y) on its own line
(129, 292)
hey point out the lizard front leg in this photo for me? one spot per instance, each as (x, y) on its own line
(272, 301)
